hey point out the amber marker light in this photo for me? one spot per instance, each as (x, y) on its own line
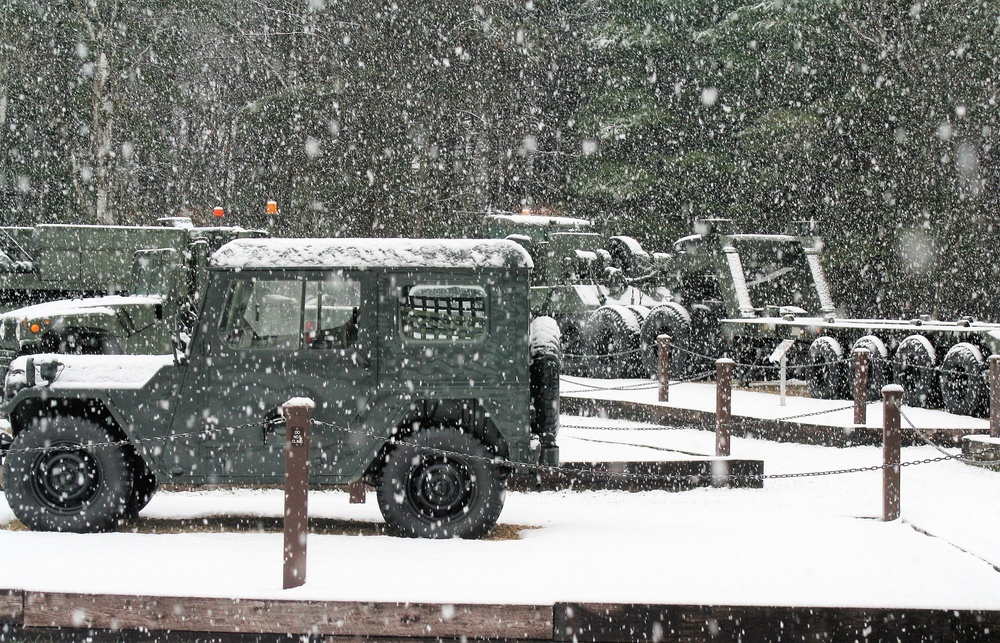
(217, 212)
(272, 207)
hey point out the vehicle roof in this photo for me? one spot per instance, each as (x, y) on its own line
(541, 220)
(370, 253)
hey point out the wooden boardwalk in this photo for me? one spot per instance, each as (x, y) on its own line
(44, 616)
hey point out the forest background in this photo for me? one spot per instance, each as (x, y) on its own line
(875, 118)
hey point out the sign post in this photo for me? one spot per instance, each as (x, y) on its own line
(298, 412)
(780, 355)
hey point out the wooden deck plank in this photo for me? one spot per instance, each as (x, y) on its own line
(797, 431)
(695, 623)
(117, 612)
(667, 475)
(11, 606)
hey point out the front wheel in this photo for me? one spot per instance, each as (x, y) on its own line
(440, 483)
(67, 474)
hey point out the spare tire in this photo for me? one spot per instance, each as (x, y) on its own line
(879, 373)
(628, 256)
(964, 386)
(544, 375)
(667, 319)
(914, 368)
(614, 341)
(828, 377)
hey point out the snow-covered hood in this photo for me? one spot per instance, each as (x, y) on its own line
(90, 371)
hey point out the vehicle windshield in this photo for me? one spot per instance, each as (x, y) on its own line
(777, 273)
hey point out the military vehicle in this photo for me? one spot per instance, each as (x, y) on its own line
(742, 294)
(599, 289)
(417, 353)
(160, 268)
(722, 293)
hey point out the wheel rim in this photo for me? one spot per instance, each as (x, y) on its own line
(66, 479)
(440, 489)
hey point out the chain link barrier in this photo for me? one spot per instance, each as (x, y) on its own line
(530, 468)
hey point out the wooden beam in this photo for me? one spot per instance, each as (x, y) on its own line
(258, 616)
(11, 607)
(694, 623)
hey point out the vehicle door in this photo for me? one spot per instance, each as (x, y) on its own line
(283, 335)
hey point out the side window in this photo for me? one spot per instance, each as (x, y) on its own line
(263, 313)
(331, 314)
(443, 313)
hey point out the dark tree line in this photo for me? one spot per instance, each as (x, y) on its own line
(876, 118)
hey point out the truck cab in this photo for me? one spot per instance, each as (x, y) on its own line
(141, 307)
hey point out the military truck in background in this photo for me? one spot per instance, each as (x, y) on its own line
(101, 289)
(430, 382)
(599, 289)
(722, 293)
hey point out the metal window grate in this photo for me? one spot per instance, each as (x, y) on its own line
(444, 317)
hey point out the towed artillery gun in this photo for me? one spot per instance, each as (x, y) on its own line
(430, 382)
(743, 294)
(101, 289)
(599, 289)
(721, 292)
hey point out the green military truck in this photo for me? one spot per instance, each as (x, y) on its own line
(103, 289)
(429, 383)
(743, 294)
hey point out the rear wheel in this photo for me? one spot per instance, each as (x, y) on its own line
(440, 483)
(828, 377)
(964, 389)
(667, 319)
(614, 341)
(913, 368)
(878, 365)
(143, 486)
(67, 474)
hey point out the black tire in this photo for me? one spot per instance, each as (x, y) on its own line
(440, 483)
(64, 474)
(640, 312)
(544, 372)
(143, 486)
(964, 386)
(667, 319)
(828, 377)
(613, 339)
(879, 371)
(573, 346)
(628, 256)
(913, 368)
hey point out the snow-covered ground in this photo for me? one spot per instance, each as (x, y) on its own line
(814, 541)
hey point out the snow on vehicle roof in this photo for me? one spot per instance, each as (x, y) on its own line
(371, 253)
(88, 305)
(541, 220)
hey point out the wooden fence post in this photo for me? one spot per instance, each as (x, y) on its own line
(723, 405)
(663, 366)
(356, 491)
(298, 412)
(994, 362)
(861, 356)
(892, 396)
